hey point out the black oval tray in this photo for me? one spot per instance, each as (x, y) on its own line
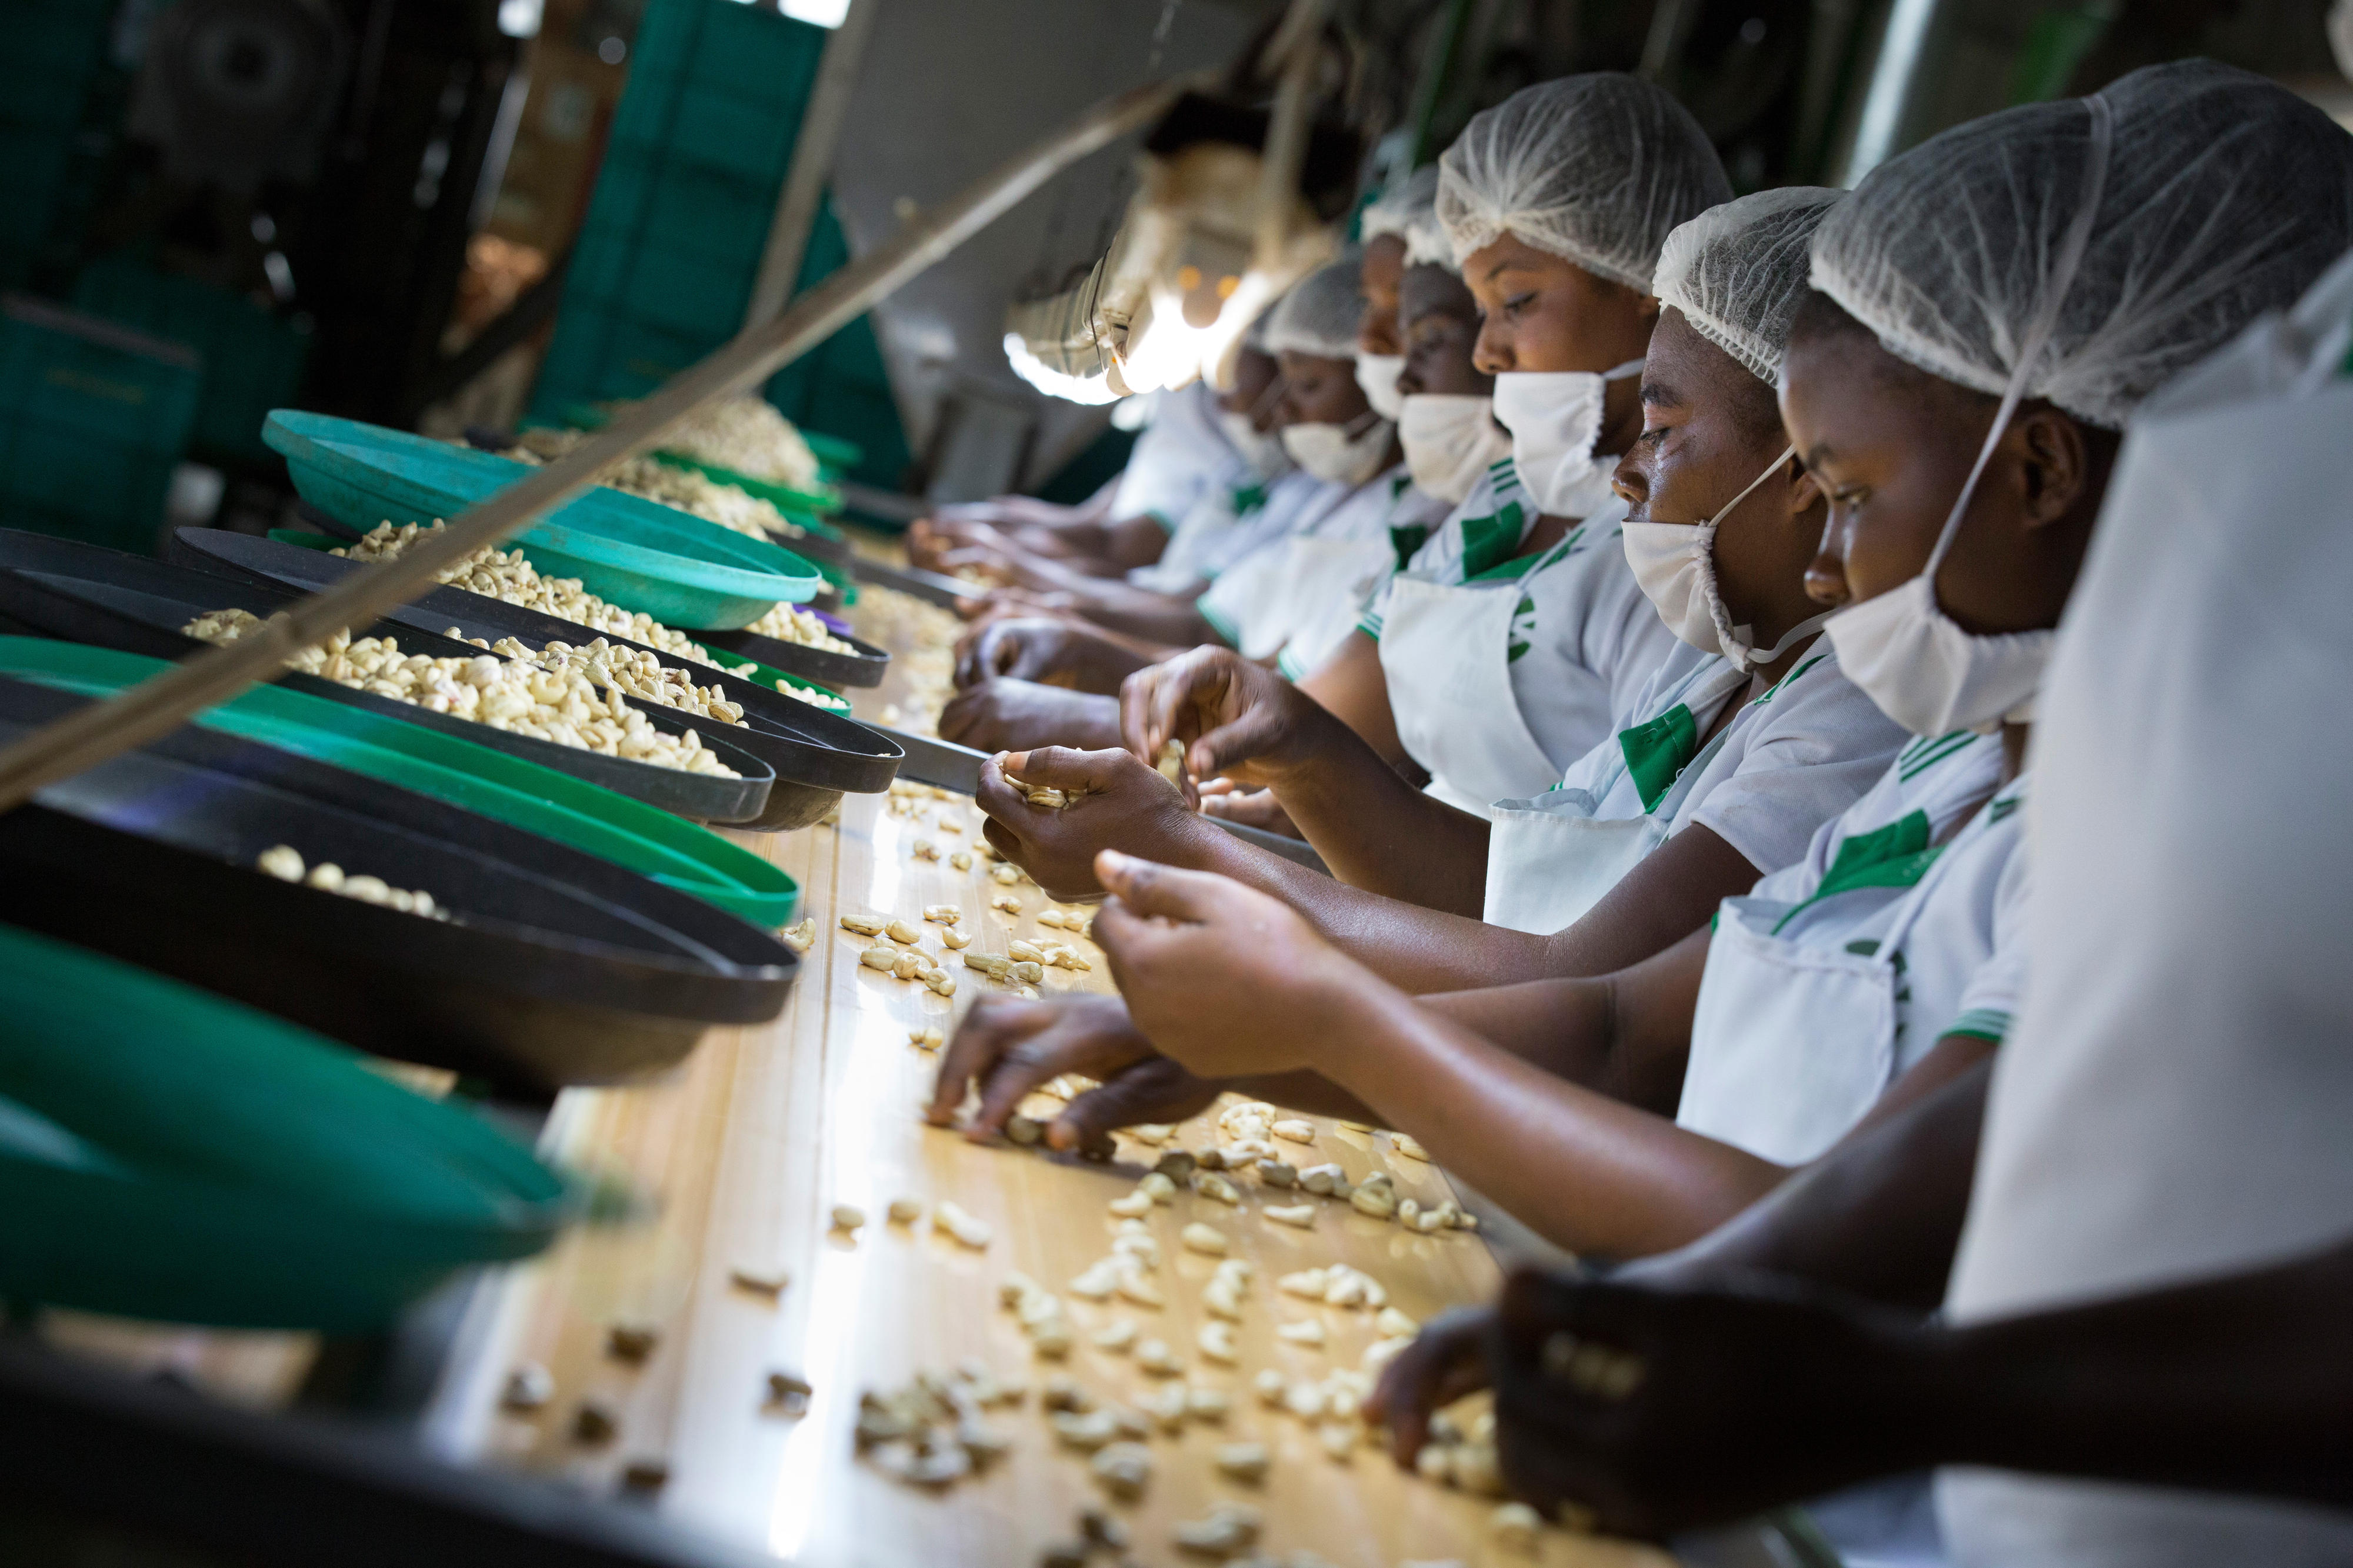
(562, 968)
(827, 667)
(818, 755)
(84, 593)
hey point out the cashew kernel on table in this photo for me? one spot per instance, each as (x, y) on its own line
(285, 863)
(559, 705)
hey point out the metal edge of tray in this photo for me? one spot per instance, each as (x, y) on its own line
(949, 767)
(928, 587)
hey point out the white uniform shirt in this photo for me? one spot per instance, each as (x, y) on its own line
(1930, 818)
(1412, 513)
(2174, 1102)
(1789, 761)
(1585, 640)
(1229, 521)
(1180, 455)
(1251, 605)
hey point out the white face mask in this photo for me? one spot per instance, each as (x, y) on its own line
(1913, 659)
(1554, 417)
(1260, 449)
(1449, 441)
(1675, 562)
(1378, 374)
(1331, 453)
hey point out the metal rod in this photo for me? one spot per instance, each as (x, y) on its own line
(161, 703)
(804, 187)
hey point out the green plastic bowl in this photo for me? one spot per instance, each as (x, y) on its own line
(807, 508)
(168, 1154)
(640, 554)
(653, 842)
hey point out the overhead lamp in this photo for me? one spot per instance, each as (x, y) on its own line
(1234, 203)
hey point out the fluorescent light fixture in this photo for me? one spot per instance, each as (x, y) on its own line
(818, 13)
(1092, 389)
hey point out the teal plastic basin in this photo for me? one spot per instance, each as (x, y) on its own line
(168, 1154)
(640, 554)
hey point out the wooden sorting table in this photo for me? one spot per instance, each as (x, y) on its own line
(747, 1150)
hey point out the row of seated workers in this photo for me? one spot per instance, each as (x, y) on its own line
(1812, 705)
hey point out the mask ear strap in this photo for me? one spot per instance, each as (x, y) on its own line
(2046, 319)
(1620, 372)
(1774, 468)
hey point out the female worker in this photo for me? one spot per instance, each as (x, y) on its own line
(2166, 1113)
(1630, 1113)
(1511, 640)
(1747, 739)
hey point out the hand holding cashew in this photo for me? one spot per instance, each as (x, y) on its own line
(1235, 718)
(1113, 801)
(1224, 979)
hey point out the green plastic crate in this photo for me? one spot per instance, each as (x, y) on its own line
(93, 416)
(253, 360)
(676, 227)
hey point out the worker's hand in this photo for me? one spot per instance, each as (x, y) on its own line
(1446, 1361)
(1235, 718)
(1007, 1048)
(1003, 715)
(1256, 808)
(1665, 1410)
(931, 540)
(1229, 981)
(1049, 650)
(995, 604)
(1115, 801)
(1154, 1089)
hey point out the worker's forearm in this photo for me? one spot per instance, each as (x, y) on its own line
(1670, 893)
(1134, 542)
(1380, 834)
(1353, 687)
(2238, 1383)
(1415, 948)
(1878, 1216)
(1135, 612)
(1583, 1170)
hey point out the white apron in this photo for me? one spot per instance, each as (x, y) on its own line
(1323, 584)
(1242, 604)
(1550, 858)
(1444, 650)
(1791, 1044)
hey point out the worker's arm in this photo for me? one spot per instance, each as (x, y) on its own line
(1762, 1391)
(1121, 804)
(1231, 984)
(1351, 686)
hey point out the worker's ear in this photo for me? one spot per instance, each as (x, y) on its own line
(2054, 462)
(1801, 492)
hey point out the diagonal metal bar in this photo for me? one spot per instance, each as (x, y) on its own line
(160, 704)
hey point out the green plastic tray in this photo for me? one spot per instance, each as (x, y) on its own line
(640, 554)
(654, 844)
(167, 1154)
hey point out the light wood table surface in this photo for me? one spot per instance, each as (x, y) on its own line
(745, 1151)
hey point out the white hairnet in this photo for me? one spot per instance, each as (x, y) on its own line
(1393, 211)
(1319, 315)
(1597, 170)
(2219, 196)
(1737, 272)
